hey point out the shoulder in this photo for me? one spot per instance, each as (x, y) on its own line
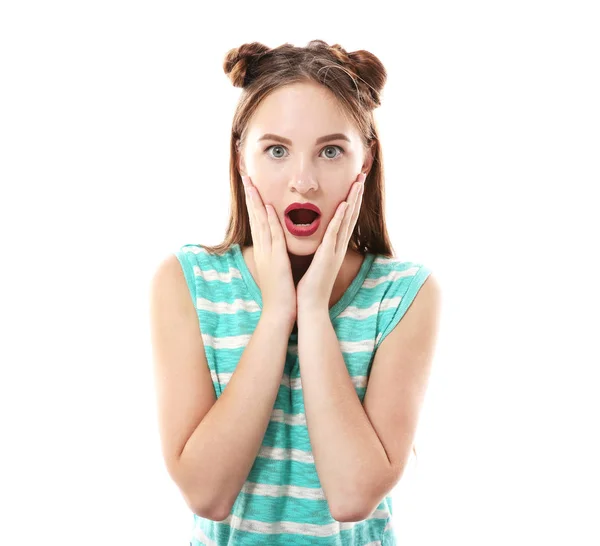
(401, 277)
(418, 328)
(168, 283)
(174, 278)
(431, 291)
(426, 305)
(405, 285)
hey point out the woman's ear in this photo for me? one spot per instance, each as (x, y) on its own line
(369, 157)
(240, 160)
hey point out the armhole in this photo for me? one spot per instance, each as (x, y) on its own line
(188, 271)
(406, 299)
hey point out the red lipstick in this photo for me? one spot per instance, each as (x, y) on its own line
(308, 206)
(302, 230)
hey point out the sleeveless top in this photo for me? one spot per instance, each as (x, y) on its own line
(282, 502)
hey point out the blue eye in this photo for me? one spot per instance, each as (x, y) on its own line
(334, 147)
(326, 147)
(275, 146)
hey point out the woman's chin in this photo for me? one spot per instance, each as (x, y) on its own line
(301, 246)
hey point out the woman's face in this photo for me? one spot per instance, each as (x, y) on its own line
(306, 167)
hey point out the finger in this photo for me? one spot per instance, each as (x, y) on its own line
(356, 210)
(277, 235)
(355, 188)
(257, 238)
(260, 214)
(353, 211)
(331, 234)
(250, 208)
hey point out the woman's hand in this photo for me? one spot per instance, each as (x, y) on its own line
(270, 256)
(314, 289)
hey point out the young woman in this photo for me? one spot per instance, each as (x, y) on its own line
(288, 386)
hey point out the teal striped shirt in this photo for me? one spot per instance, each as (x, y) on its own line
(282, 502)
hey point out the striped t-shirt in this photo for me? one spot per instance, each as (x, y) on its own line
(282, 502)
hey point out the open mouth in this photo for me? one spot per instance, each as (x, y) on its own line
(302, 217)
(302, 222)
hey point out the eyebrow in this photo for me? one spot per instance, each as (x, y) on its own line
(334, 136)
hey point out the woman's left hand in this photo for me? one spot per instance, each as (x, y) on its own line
(315, 286)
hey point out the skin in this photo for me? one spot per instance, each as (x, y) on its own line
(304, 171)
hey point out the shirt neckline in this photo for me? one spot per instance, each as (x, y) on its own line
(337, 308)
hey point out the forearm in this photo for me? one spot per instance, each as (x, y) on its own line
(220, 453)
(348, 454)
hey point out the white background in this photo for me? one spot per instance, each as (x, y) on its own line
(114, 141)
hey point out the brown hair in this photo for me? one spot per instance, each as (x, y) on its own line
(357, 83)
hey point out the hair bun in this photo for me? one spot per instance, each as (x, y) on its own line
(364, 64)
(239, 59)
(371, 71)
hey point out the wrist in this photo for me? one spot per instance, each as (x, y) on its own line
(279, 319)
(312, 309)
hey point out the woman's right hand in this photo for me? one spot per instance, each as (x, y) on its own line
(270, 256)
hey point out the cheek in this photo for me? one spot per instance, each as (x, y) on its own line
(266, 170)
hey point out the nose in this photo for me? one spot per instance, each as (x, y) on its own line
(303, 182)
